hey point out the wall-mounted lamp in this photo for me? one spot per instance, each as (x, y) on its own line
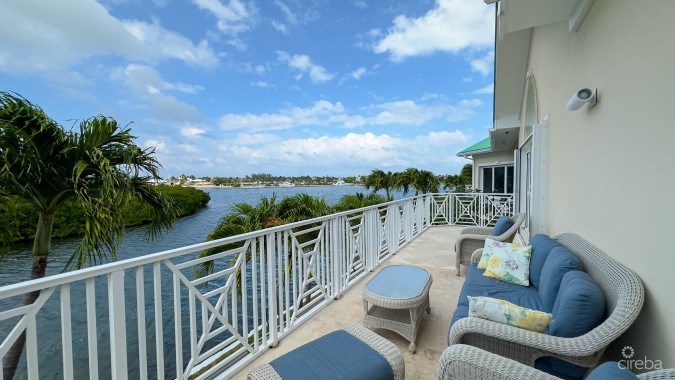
(581, 97)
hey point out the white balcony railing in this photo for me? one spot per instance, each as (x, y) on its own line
(152, 317)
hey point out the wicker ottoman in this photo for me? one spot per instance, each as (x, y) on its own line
(397, 295)
(349, 354)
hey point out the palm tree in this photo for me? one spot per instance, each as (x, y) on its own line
(426, 182)
(461, 181)
(358, 200)
(379, 180)
(406, 179)
(267, 213)
(100, 167)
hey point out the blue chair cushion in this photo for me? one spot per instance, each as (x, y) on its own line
(559, 261)
(541, 246)
(503, 225)
(611, 370)
(338, 355)
(476, 284)
(579, 307)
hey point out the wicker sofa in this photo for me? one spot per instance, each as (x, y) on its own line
(464, 362)
(568, 354)
(473, 238)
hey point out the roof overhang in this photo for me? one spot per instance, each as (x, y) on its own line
(514, 22)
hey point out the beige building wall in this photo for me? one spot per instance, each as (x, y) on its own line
(490, 159)
(612, 167)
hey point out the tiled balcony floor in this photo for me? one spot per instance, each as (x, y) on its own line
(433, 251)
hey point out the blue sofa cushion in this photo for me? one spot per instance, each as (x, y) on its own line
(478, 285)
(560, 368)
(541, 246)
(559, 261)
(338, 355)
(503, 225)
(611, 370)
(579, 307)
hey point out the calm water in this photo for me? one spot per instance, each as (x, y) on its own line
(15, 266)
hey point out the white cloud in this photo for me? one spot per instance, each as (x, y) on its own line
(51, 37)
(358, 73)
(280, 27)
(255, 138)
(288, 13)
(452, 26)
(303, 63)
(147, 85)
(488, 89)
(360, 4)
(352, 151)
(325, 113)
(234, 17)
(260, 83)
(192, 132)
(484, 65)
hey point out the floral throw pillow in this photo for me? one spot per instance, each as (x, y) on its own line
(510, 264)
(489, 248)
(501, 311)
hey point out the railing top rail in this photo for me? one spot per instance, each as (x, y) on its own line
(82, 274)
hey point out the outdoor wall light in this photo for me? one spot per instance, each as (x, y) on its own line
(581, 97)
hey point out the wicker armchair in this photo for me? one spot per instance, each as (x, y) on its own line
(473, 238)
(466, 362)
(624, 294)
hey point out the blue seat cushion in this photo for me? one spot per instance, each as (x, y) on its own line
(579, 307)
(338, 355)
(503, 224)
(478, 285)
(559, 261)
(560, 368)
(611, 370)
(541, 246)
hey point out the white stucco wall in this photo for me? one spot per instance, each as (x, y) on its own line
(612, 167)
(488, 160)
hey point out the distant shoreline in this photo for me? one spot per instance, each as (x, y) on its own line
(253, 188)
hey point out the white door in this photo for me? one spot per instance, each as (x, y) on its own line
(532, 178)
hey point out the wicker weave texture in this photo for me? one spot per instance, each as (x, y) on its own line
(466, 362)
(263, 372)
(624, 294)
(473, 238)
(401, 315)
(385, 348)
(658, 375)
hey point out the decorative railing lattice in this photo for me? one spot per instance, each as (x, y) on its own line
(153, 317)
(470, 209)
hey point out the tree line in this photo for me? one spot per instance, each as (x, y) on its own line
(422, 181)
(20, 216)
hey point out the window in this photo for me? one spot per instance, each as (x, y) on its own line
(497, 179)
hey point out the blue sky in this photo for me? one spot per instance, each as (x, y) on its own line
(288, 87)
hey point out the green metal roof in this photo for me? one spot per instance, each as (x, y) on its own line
(481, 146)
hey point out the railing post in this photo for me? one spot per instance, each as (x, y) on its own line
(118, 328)
(451, 209)
(370, 237)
